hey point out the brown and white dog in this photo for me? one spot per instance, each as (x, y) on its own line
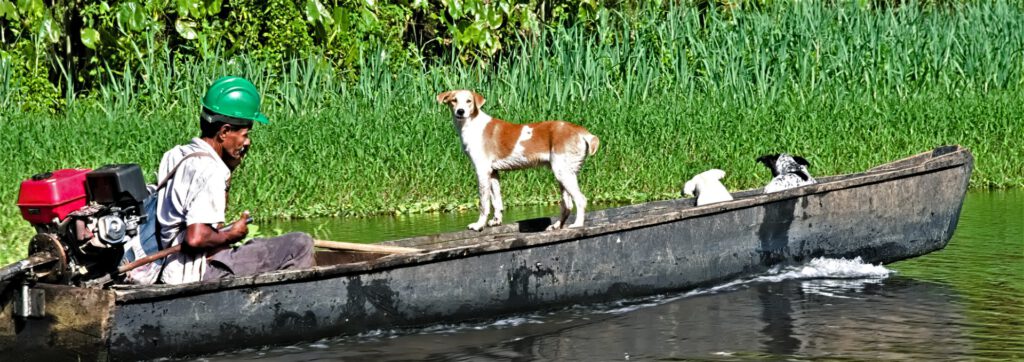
(494, 145)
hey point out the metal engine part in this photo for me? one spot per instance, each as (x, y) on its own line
(112, 229)
(59, 271)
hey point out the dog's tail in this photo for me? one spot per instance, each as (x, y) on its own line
(592, 143)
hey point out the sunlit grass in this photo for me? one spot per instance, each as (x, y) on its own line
(845, 87)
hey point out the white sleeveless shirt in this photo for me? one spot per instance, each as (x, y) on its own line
(195, 195)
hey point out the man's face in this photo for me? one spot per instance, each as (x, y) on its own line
(236, 144)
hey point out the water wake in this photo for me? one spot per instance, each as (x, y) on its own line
(817, 268)
(820, 275)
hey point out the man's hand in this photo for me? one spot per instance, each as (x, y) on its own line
(238, 229)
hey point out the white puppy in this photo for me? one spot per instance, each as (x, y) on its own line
(707, 187)
(787, 172)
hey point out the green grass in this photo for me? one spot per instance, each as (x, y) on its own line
(845, 87)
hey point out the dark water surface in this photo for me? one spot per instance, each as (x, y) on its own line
(965, 302)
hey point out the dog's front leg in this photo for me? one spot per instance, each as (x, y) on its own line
(484, 185)
(496, 199)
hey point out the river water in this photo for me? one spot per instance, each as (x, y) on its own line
(965, 302)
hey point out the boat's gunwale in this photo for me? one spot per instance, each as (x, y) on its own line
(925, 162)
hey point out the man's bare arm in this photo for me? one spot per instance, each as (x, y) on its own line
(203, 236)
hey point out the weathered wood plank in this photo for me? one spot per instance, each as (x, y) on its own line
(75, 327)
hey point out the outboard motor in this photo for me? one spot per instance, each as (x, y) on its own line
(82, 219)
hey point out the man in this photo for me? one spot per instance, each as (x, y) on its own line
(191, 205)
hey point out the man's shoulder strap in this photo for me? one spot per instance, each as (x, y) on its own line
(174, 170)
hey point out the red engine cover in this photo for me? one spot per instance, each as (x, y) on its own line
(44, 197)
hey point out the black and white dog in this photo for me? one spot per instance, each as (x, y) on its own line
(787, 172)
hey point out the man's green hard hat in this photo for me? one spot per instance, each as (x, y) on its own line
(234, 97)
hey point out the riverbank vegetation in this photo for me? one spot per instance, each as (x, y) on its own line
(671, 89)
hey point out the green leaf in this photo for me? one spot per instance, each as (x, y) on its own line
(368, 21)
(316, 12)
(49, 30)
(493, 18)
(213, 6)
(325, 16)
(90, 38)
(454, 8)
(311, 13)
(191, 8)
(183, 7)
(195, 8)
(186, 28)
(341, 19)
(8, 10)
(130, 17)
(32, 8)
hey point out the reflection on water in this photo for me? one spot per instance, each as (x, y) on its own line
(985, 264)
(895, 318)
(965, 302)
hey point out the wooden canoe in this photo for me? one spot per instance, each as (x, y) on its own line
(895, 211)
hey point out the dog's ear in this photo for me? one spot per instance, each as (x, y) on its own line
(689, 188)
(444, 97)
(801, 161)
(478, 99)
(768, 160)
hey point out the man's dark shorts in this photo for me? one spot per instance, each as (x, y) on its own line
(288, 251)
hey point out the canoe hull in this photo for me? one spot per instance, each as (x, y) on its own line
(666, 251)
